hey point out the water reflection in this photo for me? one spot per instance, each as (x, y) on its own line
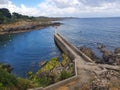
(4, 39)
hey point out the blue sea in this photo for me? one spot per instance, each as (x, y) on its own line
(24, 51)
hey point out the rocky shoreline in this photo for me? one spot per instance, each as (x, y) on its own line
(50, 72)
(53, 71)
(16, 23)
(108, 57)
(24, 26)
(108, 77)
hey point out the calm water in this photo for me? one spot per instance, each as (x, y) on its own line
(25, 50)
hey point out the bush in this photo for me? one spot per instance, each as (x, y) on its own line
(65, 75)
(7, 79)
(65, 60)
(45, 81)
(9, 82)
(23, 84)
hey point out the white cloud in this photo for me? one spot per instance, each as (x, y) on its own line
(4, 1)
(77, 8)
(22, 9)
(81, 9)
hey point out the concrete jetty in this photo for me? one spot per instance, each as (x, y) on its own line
(84, 66)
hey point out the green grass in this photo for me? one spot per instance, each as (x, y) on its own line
(50, 65)
(65, 60)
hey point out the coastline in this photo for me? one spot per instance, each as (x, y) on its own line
(25, 26)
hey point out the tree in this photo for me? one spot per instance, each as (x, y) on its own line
(5, 12)
(5, 15)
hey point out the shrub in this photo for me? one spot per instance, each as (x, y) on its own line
(23, 84)
(45, 81)
(65, 60)
(9, 82)
(65, 75)
(7, 79)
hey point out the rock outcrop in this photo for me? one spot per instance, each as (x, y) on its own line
(24, 26)
(117, 56)
(88, 51)
(108, 57)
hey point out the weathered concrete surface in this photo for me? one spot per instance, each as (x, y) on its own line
(82, 61)
(85, 68)
(69, 49)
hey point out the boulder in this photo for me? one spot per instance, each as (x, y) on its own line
(42, 63)
(117, 51)
(88, 51)
(117, 56)
(101, 47)
(108, 57)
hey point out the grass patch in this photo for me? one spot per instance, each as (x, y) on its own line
(50, 65)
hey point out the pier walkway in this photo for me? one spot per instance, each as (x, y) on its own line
(85, 68)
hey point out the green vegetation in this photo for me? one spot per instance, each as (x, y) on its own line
(65, 75)
(65, 60)
(16, 23)
(5, 38)
(7, 17)
(7, 79)
(9, 82)
(50, 65)
(45, 81)
(52, 72)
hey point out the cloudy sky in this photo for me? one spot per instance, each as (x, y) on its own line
(63, 8)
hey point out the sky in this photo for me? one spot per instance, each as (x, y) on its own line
(64, 8)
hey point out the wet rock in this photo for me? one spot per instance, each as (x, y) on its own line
(56, 24)
(7, 67)
(42, 63)
(117, 56)
(89, 53)
(108, 57)
(117, 51)
(116, 59)
(101, 47)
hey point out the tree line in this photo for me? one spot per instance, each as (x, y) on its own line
(7, 17)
